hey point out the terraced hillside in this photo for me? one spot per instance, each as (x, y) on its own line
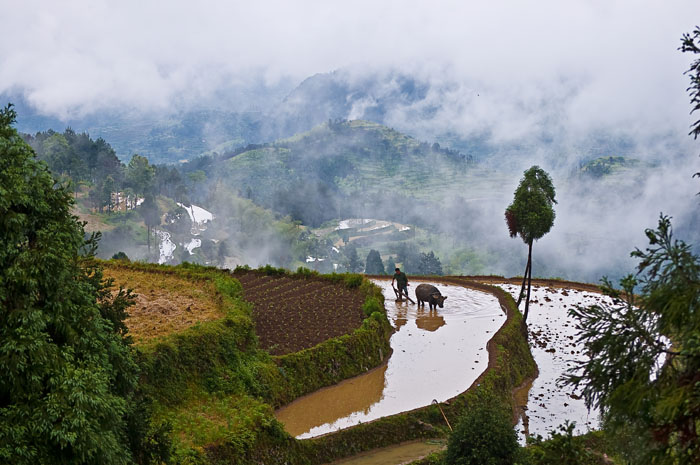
(202, 363)
(292, 314)
(337, 166)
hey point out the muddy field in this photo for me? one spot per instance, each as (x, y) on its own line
(552, 334)
(436, 355)
(292, 314)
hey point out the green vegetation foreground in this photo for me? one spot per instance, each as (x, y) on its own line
(68, 393)
(74, 389)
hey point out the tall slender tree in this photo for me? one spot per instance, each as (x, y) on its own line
(151, 216)
(140, 174)
(531, 216)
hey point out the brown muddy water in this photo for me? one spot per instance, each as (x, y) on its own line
(436, 355)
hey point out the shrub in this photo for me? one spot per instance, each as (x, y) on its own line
(270, 270)
(353, 280)
(372, 305)
(120, 256)
(304, 272)
(561, 449)
(484, 435)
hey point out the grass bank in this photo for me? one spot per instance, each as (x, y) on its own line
(211, 381)
(510, 363)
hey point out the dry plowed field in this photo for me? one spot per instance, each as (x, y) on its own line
(292, 314)
(165, 302)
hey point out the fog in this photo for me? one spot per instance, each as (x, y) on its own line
(552, 83)
(599, 63)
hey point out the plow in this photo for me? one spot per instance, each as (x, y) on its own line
(399, 294)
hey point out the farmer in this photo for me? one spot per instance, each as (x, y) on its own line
(401, 282)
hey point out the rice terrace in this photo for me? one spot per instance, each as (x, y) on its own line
(323, 348)
(350, 233)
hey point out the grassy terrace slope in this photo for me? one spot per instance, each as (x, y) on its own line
(205, 370)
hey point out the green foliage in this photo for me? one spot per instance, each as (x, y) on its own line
(691, 43)
(562, 448)
(352, 260)
(76, 156)
(429, 264)
(139, 175)
(306, 273)
(120, 256)
(68, 372)
(531, 214)
(372, 305)
(390, 265)
(353, 280)
(151, 215)
(272, 271)
(645, 350)
(484, 435)
(374, 264)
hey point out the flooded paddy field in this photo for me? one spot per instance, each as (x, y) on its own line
(552, 337)
(436, 355)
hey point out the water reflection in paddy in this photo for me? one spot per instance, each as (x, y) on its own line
(436, 355)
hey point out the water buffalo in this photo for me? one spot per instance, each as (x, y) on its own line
(431, 294)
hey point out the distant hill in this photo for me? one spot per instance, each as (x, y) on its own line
(605, 166)
(344, 169)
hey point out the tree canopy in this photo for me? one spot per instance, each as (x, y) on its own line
(531, 216)
(374, 264)
(643, 368)
(690, 42)
(68, 374)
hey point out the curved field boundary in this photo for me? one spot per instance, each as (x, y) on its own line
(510, 363)
(538, 281)
(213, 373)
(334, 359)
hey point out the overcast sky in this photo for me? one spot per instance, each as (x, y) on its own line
(610, 62)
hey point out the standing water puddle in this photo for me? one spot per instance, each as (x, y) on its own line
(552, 335)
(436, 355)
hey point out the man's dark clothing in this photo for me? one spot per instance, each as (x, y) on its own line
(401, 279)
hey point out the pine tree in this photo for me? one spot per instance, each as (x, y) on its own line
(643, 368)
(353, 263)
(374, 264)
(390, 265)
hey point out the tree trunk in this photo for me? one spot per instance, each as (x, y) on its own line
(148, 238)
(529, 281)
(522, 288)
